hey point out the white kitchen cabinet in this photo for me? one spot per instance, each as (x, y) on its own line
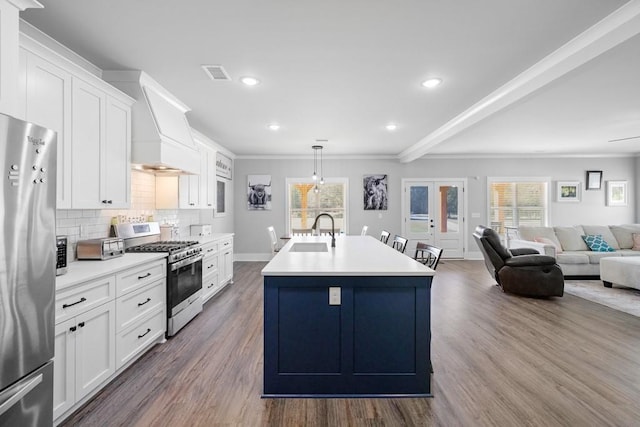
(210, 277)
(189, 191)
(95, 348)
(61, 91)
(84, 355)
(48, 104)
(208, 178)
(64, 367)
(116, 158)
(101, 141)
(87, 134)
(104, 324)
(225, 261)
(141, 309)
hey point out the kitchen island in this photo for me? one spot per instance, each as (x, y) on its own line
(348, 321)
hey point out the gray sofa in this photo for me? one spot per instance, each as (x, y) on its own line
(571, 252)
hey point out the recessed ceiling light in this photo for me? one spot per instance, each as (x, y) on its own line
(250, 81)
(274, 126)
(391, 126)
(431, 83)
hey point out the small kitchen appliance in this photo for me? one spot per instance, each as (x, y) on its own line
(61, 255)
(100, 249)
(201, 230)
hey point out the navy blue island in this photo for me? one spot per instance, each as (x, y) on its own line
(349, 321)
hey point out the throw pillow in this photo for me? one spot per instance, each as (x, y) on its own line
(597, 244)
(546, 241)
(636, 242)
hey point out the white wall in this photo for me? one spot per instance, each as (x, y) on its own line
(251, 240)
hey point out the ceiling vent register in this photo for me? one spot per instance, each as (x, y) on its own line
(216, 72)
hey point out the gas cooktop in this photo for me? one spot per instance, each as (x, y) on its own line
(170, 246)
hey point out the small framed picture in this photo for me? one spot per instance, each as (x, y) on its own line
(617, 193)
(568, 191)
(594, 180)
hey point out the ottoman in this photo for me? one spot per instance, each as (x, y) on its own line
(624, 271)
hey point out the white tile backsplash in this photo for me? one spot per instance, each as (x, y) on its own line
(80, 224)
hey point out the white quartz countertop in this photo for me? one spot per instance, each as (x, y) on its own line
(352, 256)
(210, 238)
(84, 270)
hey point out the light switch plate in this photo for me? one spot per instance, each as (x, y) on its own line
(335, 295)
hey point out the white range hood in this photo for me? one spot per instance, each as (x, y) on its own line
(161, 139)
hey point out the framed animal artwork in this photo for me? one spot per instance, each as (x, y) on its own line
(375, 192)
(259, 192)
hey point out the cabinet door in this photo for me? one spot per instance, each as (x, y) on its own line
(64, 366)
(95, 348)
(189, 192)
(116, 161)
(88, 114)
(208, 177)
(48, 104)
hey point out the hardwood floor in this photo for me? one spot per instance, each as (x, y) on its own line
(498, 359)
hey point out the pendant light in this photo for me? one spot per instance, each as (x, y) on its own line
(316, 149)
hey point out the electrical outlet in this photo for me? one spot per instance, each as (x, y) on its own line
(335, 295)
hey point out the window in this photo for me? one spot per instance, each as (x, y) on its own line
(221, 205)
(304, 204)
(514, 202)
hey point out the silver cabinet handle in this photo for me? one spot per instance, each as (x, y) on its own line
(17, 397)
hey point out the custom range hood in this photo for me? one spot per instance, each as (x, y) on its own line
(161, 139)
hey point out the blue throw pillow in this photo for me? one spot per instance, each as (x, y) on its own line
(596, 243)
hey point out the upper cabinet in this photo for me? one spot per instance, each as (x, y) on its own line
(101, 143)
(48, 103)
(92, 120)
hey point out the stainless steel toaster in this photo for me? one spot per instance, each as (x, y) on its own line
(100, 249)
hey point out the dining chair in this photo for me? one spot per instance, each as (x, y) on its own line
(384, 236)
(428, 255)
(274, 239)
(364, 230)
(399, 243)
(301, 232)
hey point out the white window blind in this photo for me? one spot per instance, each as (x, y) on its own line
(517, 202)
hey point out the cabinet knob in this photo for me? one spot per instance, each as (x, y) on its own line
(81, 325)
(73, 329)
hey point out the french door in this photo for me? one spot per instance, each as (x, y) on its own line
(432, 212)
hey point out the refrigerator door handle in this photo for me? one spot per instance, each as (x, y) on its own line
(5, 405)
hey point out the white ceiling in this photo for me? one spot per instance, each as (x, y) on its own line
(342, 69)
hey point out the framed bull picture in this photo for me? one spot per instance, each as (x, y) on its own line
(259, 192)
(375, 192)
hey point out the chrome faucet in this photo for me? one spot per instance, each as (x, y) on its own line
(333, 228)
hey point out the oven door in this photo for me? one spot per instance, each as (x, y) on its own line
(184, 280)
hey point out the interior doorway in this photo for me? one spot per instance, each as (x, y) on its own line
(432, 212)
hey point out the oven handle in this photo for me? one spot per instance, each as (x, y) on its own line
(186, 261)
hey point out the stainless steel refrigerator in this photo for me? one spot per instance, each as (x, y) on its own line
(27, 272)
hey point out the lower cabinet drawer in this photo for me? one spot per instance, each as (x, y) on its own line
(136, 339)
(210, 285)
(83, 297)
(135, 305)
(140, 276)
(209, 265)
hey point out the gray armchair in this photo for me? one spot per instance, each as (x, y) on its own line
(519, 271)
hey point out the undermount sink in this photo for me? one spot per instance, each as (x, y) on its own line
(309, 247)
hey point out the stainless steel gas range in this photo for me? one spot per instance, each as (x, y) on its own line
(184, 270)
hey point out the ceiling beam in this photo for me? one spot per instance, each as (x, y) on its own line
(614, 29)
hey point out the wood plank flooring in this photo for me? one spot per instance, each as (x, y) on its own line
(499, 360)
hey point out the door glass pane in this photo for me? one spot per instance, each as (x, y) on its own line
(419, 209)
(449, 209)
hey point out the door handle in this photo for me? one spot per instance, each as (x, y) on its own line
(19, 394)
